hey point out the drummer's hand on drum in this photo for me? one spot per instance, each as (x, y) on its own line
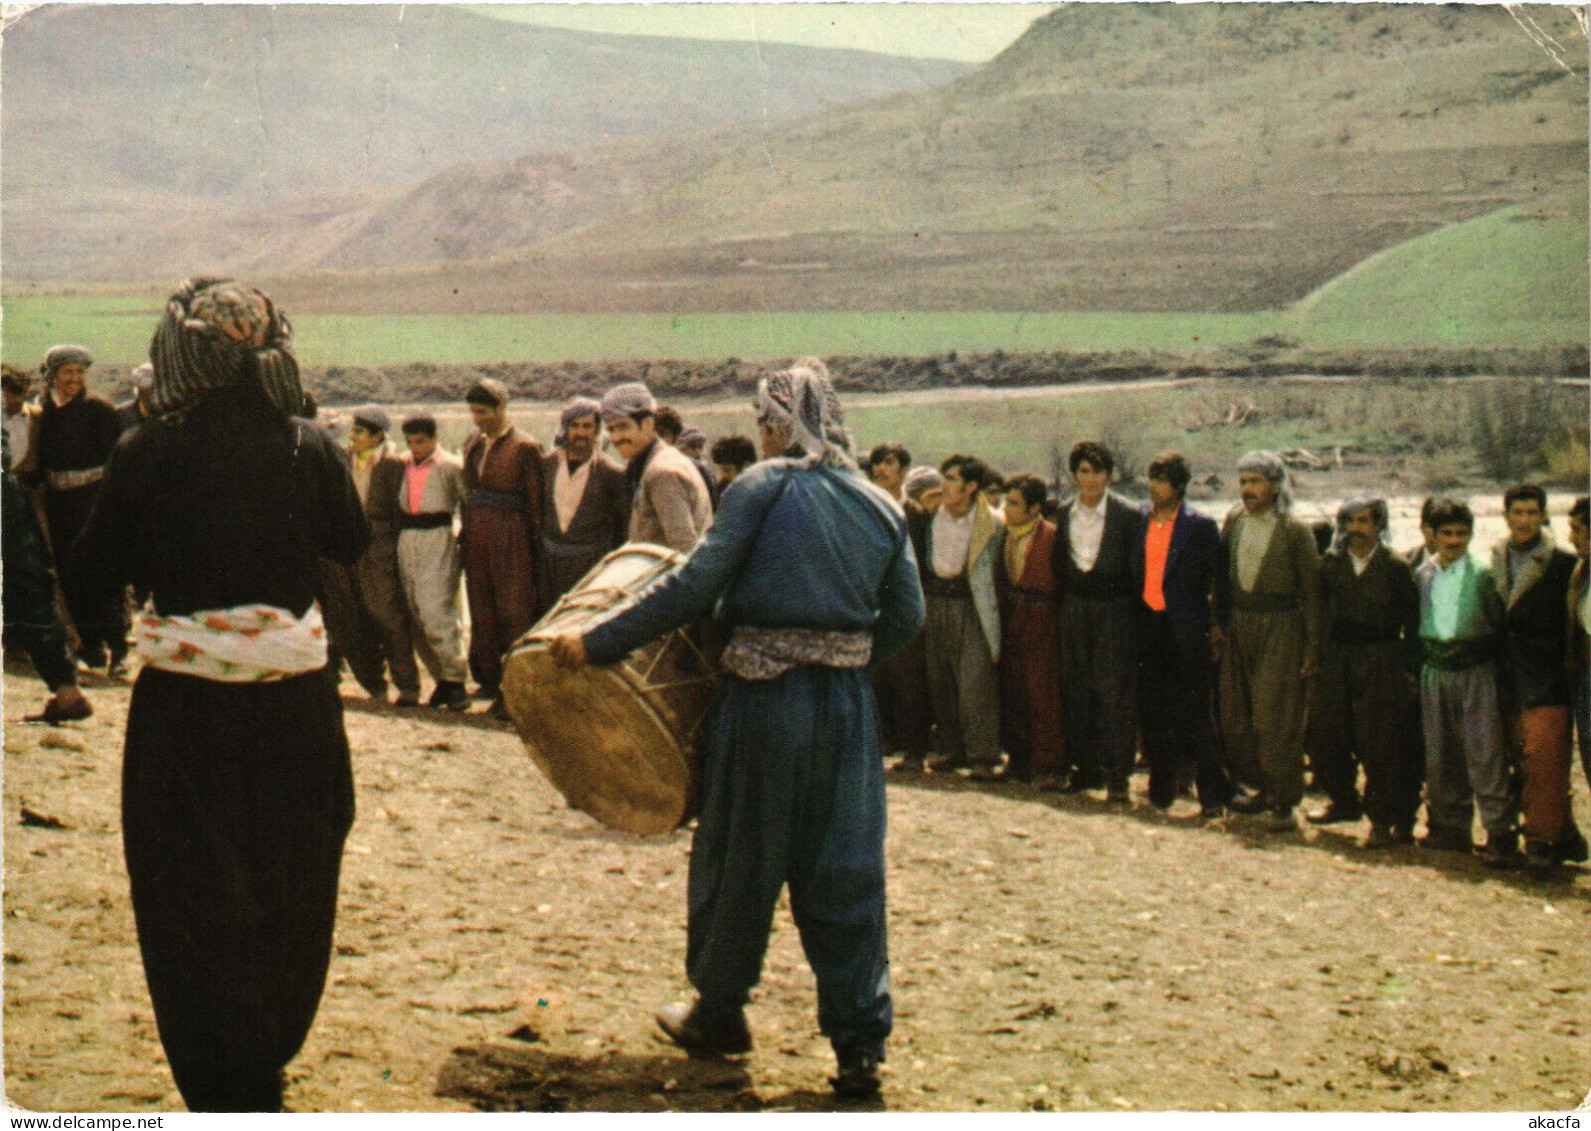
(569, 649)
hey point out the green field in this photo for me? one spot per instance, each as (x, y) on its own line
(1516, 276)
(117, 328)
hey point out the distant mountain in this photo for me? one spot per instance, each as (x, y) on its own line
(1118, 156)
(125, 118)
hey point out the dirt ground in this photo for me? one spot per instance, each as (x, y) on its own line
(497, 950)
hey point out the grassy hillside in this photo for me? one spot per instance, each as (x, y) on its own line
(1514, 275)
(1118, 157)
(121, 120)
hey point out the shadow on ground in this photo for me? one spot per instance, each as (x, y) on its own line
(502, 1077)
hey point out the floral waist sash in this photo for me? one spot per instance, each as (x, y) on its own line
(246, 644)
(766, 653)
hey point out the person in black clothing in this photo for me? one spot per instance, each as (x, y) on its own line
(237, 791)
(32, 623)
(1099, 539)
(77, 431)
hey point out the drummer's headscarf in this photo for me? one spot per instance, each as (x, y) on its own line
(1352, 505)
(578, 408)
(800, 403)
(215, 332)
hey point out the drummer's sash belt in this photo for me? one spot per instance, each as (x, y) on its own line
(496, 500)
(760, 654)
(425, 520)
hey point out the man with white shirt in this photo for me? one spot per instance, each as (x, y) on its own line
(587, 509)
(1271, 640)
(21, 417)
(1095, 564)
(429, 562)
(1370, 660)
(962, 633)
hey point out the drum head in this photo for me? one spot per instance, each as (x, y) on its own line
(605, 748)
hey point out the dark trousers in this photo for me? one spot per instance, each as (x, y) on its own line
(1582, 717)
(1363, 701)
(235, 802)
(1175, 708)
(793, 792)
(1099, 699)
(98, 613)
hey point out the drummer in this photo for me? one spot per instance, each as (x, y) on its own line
(816, 576)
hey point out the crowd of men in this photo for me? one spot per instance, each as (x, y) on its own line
(1061, 639)
(1242, 658)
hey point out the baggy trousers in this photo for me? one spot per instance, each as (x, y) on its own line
(1262, 703)
(1099, 689)
(236, 798)
(429, 563)
(1361, 718)
(792, 792)
(1546, 757)
(1466, 754)
(368, 621)
(963, 682)
(504, 592)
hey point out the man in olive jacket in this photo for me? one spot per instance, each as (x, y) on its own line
(1272, 639)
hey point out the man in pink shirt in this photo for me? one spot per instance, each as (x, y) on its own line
(429, 562)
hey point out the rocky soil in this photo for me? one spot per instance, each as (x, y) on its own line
(496, 950)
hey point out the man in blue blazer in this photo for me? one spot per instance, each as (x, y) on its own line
(1182, 563)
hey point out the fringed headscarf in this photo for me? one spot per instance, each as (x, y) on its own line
(1352, 505)
(214, 332)
(920, 480)
(578, 408)
(800, 403)
(1270, 465)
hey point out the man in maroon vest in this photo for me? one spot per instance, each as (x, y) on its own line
(501, 535)
(1030, 656)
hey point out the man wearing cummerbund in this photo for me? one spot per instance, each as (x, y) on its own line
(1271, 640)
(365, 610)
(1370, 659)
(811, 567)
(586, 507)
(961, 634)
(429, 563)
(1094, 564)
(76, 433)
(1030, 656)
(501, 534)
(237, 792)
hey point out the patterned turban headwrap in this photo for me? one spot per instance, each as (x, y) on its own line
(142, 378)
(1352, 505)
(626, 400)
(578, 408)
(920, 480)
(800, 402)
(214, 333)
(63, 355)
(373, 418)
(1270, 465)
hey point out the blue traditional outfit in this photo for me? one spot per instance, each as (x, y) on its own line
(811, 567)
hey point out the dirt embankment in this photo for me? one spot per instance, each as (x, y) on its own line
(496, 950)
(423, 382)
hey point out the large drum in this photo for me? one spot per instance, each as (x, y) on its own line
(617, 741)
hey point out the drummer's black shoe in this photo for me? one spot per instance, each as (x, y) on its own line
(699, 1033)
(858, 1075)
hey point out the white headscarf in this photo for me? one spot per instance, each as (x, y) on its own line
(1270, 465)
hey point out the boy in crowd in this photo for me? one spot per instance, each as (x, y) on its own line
(429, 560)
(1466, 756)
